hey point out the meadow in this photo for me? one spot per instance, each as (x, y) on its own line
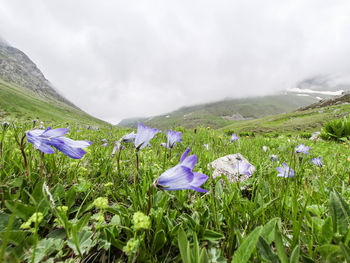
(94, 209)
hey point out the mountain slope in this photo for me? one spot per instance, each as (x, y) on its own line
(222, 113)
(308, 119)
(26, 93)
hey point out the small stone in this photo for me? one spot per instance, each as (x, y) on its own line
(225, 165)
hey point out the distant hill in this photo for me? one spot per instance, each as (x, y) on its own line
(307, 119)
(221, 113)
(26, 93)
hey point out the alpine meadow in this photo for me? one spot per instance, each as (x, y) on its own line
(175, 131)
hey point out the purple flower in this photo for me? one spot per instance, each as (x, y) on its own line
(242, 168)
(163, 144)
(173, 138)
(285, 171)
(105, 144)
(129, 137)
(206, 146)
(264, 148)
(103, 140)
(88, 127)
(181, 176)
(317, 161)
(117, 147)
(43, 140)
(144, 135)
(273, 158)
(234, 137)
(302, 149)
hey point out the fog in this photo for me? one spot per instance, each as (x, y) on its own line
(120, 59)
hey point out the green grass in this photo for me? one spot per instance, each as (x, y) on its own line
(293, 122)
(264, 219)
(18, 103)
(211, 114)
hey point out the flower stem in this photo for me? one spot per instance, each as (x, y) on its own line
(137, 168)
(41, 165)
(149, 198)
(24, 157)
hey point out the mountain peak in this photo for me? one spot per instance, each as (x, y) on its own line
(17, 68)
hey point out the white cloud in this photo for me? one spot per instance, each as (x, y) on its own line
(118, 59)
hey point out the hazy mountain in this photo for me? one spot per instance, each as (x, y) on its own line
(221, 113)
(17, 68)
(26, 93)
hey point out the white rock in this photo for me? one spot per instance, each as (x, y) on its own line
(224, 165)
(315, 136)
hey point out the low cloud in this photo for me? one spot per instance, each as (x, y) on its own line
(119, 59)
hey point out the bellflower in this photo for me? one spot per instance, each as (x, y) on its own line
(302, 149)
(173, 138)
(144, 135)
(43, 140)
(317, 161)
(234, 137)
(181, 176)
(206, 146)
(285, 171)
(129, 137)
(242, 168)
(264, 148)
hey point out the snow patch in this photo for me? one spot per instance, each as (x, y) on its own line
(331, 93)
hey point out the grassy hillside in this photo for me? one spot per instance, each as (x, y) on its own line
(307, 120)
(18, 103)
(219, 114)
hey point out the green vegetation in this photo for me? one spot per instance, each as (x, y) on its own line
(294, 122)
(19, 103)
(336, 130)
(219, 114)
(89, 211)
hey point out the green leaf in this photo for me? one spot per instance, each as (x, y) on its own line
(294, 257)
(327, 231)
(184, 246)
(328, 251)
(81, 242)
(212, 235)
(340, 213)
(20, 210)
(247, 247)
(265, 251)
(345, 251)
(280, 247)
(203, 258)
(83, 221)
(159, 241)
(45, 247)
(195, 251)
(267, 233)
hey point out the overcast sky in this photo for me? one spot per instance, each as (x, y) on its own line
(119, 59)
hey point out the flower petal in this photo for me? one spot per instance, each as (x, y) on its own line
(199, 179)
(184, 155)
(55, 132)
(190, 161)
(75, 144)
(72, 152)
(176, 178)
